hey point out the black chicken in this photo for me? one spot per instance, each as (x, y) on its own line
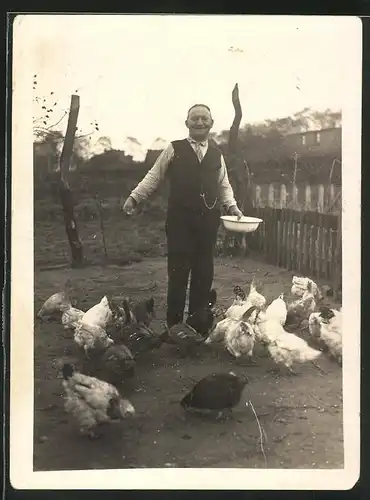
(326, 313)
(144, 311)
(118, 364)
(219, 392)
(202, 319)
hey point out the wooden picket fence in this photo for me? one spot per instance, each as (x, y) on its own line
(305, 240)
(317, 197)
(309, 243)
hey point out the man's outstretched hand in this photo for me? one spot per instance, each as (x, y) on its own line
(129, 206)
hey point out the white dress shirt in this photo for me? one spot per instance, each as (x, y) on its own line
(156, 174)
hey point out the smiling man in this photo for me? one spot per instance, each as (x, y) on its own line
(198, 188)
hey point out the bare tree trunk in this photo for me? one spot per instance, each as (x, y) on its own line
(236, 163)
(64, 189)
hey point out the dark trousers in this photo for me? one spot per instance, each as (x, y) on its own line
(191, 238)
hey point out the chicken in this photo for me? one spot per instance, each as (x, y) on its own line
(91, 338)
(117, 364)
(219, 312)
(300, 285)
(255, 298)
(136, 335)
(53, 305)
(266, 328)
(71, 317)
(122, 316)
(92, 402)
(218, 332)
(184, 336)
(326, 326)
(219, 392)
(287, 349)
(140, 338)
(238, 307)
(202, 319)
(277, 310)
(239, 336)
(300, 310)
(143, 312)
(99, 315)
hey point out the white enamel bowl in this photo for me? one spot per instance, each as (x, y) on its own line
(243, 225)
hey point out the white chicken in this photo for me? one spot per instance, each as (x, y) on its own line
(266, 328)
(91, 337)
(71, 316)
(92, 402)
(284, 348)
(53, 305)
(98, 315)
(326, 326)
(255, 298)
(277, 310)
(241, 303)
(218, 332)
(287, 349)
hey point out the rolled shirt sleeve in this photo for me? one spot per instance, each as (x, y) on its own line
(226, 193)
(154, 177)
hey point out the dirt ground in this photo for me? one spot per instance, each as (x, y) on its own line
(301, 416)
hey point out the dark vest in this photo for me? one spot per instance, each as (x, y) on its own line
(189, 179)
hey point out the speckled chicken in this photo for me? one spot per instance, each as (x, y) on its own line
(301, 284)
(238, 307)
(240, 336)
(92, 402)
(91, 338)
(53, 306)
(71, 316)
(326, 327)
(218, 392)
(300, 310)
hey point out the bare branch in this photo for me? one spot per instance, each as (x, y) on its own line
(57, 123)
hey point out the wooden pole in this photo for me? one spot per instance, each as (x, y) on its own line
(65, 191)
(239, 170)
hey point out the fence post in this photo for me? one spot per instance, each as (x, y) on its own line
(282, 196)
(320, 198)
(271, 196)
(307, 201)
(257, 194)
(331, 197)
(295, 196)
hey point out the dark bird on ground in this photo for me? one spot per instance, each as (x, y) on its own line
(219, 392)
(118, 364)
(202, 320)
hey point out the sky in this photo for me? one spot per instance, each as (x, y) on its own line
(137, 75)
